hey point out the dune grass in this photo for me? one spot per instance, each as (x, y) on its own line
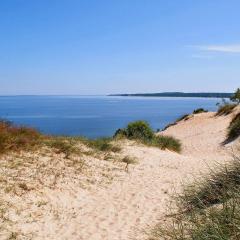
(209, 209)
(128, 160)
(103, 144)
(16, 138)
(225, 108)
(65, 145)
(234, 128)
(141, 131)
(165, 142)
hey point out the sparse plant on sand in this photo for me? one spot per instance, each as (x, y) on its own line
(102, 144)
(225, 108)
(62, 145)
(128, 160)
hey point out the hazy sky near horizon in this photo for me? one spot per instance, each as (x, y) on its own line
(119, 46)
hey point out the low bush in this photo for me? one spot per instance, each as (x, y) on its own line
(199, 110)
(138, 130)
(142, 132)
(234, 128)
(15, 138)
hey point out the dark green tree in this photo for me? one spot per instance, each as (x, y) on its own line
(236, 96)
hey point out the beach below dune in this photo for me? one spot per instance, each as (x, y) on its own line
(108, 203)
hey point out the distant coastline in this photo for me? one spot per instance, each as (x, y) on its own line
(177, 94)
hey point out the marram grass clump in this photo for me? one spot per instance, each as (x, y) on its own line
(225, 108)
(104, 144)
(209, 209)
(234, 128)
(141, 131)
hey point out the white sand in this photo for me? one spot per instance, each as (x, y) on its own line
(134, 201)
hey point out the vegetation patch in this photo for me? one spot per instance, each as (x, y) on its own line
(128, 160)
(225, 109)
(234, 128)
(141, 131)
(166, 142)
(102, 144)
(183, 117)
(208, 209)
(63, 145)
(214, 189)
(136, 130)
(16, 138)
(200, 110)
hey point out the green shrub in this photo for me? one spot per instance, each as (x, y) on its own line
(199, 110)
(234, 128)
(141, 131)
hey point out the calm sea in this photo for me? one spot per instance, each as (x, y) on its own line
(95, 116)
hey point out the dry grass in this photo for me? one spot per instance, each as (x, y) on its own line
(234, 128)
(128, 160)
(16, 138)
(103, 145)
(225, 109)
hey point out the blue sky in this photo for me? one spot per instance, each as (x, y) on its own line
(118, 46)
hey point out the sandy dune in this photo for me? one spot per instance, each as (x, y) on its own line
(133, 201)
